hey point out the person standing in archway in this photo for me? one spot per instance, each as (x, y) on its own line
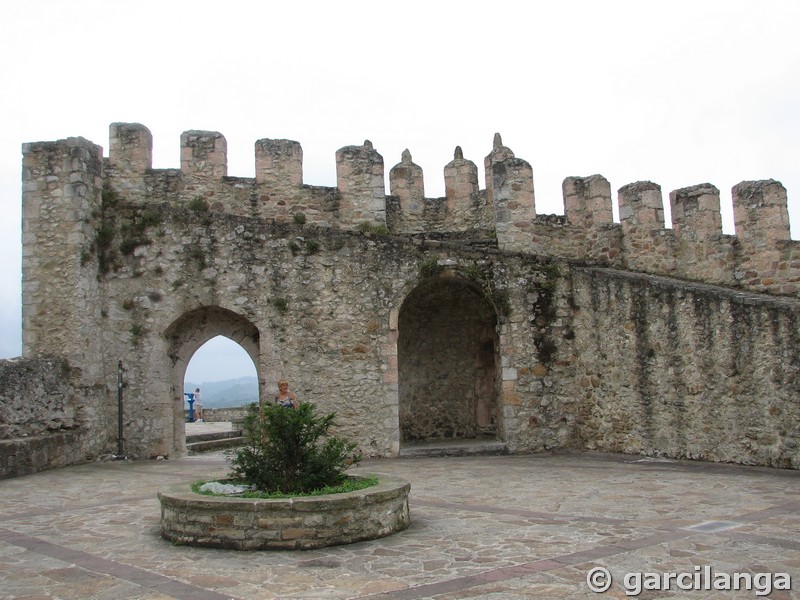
(198, 407)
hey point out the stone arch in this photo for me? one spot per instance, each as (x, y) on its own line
(448, 366)
(193, 329)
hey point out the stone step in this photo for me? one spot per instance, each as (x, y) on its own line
(214, 441)
(213, 435)
(464, 447)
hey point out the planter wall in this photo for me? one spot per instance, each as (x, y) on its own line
(290, 523)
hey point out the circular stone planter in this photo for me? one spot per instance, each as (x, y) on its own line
(286, 523)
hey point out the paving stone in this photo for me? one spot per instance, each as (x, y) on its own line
(494, 527)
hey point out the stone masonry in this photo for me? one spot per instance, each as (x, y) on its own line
(39, 416)
(413, 318)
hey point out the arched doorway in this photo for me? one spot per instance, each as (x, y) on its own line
(225, 372)
(447, 362)
(191, 331)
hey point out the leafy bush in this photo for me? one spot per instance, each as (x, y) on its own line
(291, 451)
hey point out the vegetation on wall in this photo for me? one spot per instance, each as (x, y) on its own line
(105, 231)
(199, 204)
(430, 267)
(484, 277)
(137, 331)
(310, 246)
(282, 304)
(373, 228)
(133, 230)
(201, 207)
(119, 231)
(544, 310)
(196, 254)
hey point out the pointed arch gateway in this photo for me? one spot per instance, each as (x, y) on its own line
(447, 362)
(193, 329)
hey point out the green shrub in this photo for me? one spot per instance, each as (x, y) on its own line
(291, 451)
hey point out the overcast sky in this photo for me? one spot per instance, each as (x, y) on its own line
(679, 92)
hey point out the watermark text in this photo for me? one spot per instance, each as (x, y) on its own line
(701, 578)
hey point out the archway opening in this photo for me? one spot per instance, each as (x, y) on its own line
(225, 375)
(187, 335)
(447, 362)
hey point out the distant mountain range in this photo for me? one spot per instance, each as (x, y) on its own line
(224, 394)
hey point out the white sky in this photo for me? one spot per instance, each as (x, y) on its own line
(679, 92)
(219, 359)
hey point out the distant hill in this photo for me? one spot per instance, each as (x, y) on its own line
(224, 394)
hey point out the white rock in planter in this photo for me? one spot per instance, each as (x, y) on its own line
(215, 487)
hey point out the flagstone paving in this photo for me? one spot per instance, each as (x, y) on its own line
(497, 527)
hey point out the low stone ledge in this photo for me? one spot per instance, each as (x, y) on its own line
(287, 523)
(27, 455)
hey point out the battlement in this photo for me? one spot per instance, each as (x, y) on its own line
(760, 256)
(124, 264)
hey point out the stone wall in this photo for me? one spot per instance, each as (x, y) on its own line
(533, 328)
(39, 417)
(63, 223)
(233, 414)
(35, 397)
(686, 370)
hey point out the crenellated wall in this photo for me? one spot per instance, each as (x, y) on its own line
(760, 256)
(570, 331)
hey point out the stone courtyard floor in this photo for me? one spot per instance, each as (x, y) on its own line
(501, 527)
